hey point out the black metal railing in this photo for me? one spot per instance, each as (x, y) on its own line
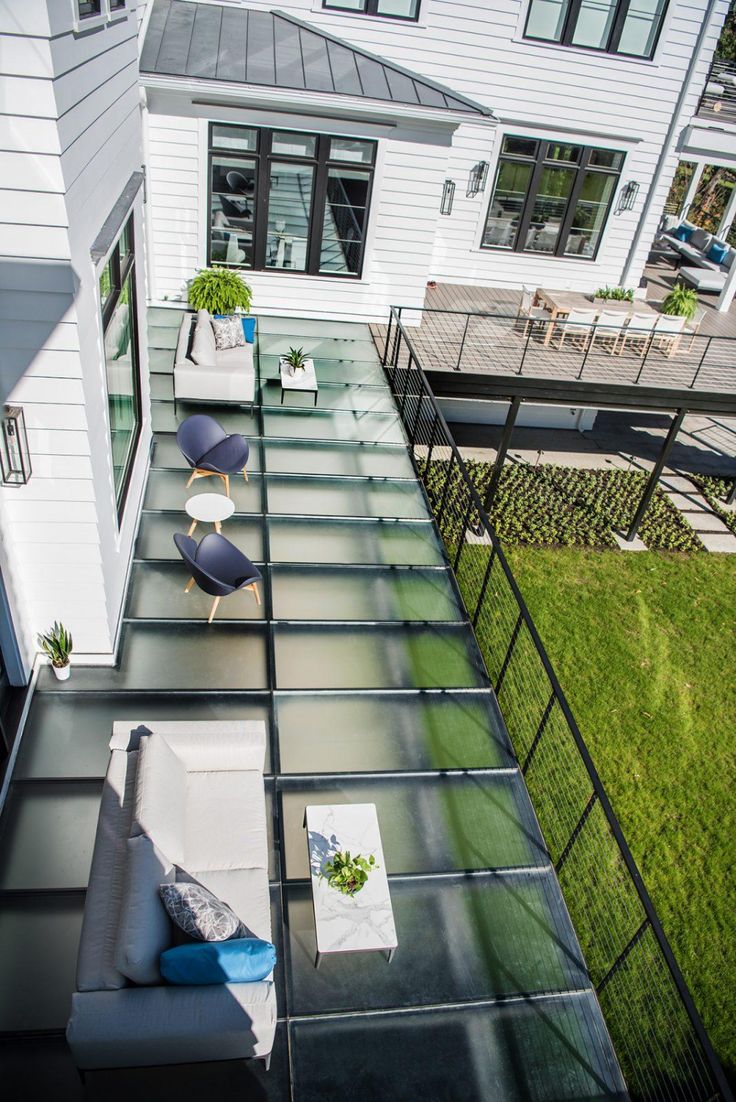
(511, 343)
(659, 1039)
(718, 100)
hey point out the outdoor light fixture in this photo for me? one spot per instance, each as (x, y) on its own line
(627, 197)
(477, 178)
(15, 458)
(448, 194)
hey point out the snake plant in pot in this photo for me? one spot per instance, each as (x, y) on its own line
(296, 362)
(57, 645)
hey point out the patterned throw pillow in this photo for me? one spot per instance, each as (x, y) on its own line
(228, 333)
(199, 913)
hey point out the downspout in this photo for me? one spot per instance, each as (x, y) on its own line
(669, 140)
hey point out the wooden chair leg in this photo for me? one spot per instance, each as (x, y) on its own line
(189, 585)
(245, 474)
(192, 477)
(227, 484)
(192, 528)
(218, 526)
(215, 603)
(256, 594)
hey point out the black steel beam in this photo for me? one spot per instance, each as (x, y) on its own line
(651, 485)
(503, 447)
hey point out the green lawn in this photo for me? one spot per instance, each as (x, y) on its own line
(643, 644)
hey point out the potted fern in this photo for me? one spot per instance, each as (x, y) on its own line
(681, 302)
(347, 874)
(220, 291)
(56, 644)
(296, 362)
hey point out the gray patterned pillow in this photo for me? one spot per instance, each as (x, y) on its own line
(199, 913)
(228, 333)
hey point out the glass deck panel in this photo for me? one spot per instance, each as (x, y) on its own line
(156, 591)
(357, 460)
(326, 733)
(168, 490)
(361, 372)
(364, 399)
(363, 594)
(232, 417)
(48, 835)
(391, 657)
(393, 543)
(156, 532)
(166, 454)
(346, 497)
(317, 424)
(358, 347)
(428, 824)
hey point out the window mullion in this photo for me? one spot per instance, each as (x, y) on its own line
(572, 203)
(319, 199)
(618, 26)
(571, 22)
(531, 195)
(260, 211)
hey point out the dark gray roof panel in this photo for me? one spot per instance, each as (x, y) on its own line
(275, 50)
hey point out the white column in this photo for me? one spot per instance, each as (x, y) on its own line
(729, 215)
(691, 190)
(729, 290)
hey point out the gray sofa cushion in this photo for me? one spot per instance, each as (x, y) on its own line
(144, 931)
(160, 797)
(204, 347)
(225, 821)
(246, 891)
(700, 239)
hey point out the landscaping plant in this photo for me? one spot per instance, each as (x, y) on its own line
(348, 874)
(682, 302)
(615, 294)
(219, 291)
(56, 644)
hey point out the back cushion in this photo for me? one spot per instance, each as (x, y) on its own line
(700, 239)
(145, 930)
(203, 346)
(717, 251)
(160, 797)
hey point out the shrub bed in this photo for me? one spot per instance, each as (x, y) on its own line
(715, 491)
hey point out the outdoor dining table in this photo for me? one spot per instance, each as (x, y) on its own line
(560, 303)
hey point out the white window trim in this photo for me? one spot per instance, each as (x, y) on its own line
(106, 15)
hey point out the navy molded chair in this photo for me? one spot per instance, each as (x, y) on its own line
(218, 567)
(209, 450)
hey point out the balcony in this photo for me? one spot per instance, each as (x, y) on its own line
(718, 101)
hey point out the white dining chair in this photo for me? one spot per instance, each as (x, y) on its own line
(608, 327)
(577, 326)
(668, 333)
(638, 331)
(528, 313)
(693, 327)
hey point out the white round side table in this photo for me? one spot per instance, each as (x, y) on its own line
(210, 509)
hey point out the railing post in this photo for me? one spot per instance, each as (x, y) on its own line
(529, 331)
(430, 449)
(484, 586)
(461, 537)
(576, 832)
(651, 486)
(409, 362)
(644, 357)
(539, 732)
(588, 347)
(509, 652)
(702, 360)
(462, 343)
(503, 447)
(388, 337)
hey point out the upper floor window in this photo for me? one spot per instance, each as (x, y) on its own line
(390, 9)
(629, 27)
(551, 197)
(89, 7)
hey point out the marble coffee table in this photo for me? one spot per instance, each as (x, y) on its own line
(363, 922)
(209, 509)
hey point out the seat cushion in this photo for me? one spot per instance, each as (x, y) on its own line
(702, 279)
(235, 359)
(246, 892)
(225, 822)
(144, 932)
(204, 348)
(160, 796)
(242, 960)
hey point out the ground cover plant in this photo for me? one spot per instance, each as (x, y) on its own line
(716, 491)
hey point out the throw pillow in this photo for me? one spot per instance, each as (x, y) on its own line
(144, 931)
(717, 252)
(199, 913)
(700, 239)
(683, 232)
(228, 333)
(245, 960)
(249, 329)
(203, 345)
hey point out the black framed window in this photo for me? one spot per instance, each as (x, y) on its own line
(89, 7)
(115, 5)
(119, 324)
(287, 200)
(629, 27)
(389, 9)
(551, 197)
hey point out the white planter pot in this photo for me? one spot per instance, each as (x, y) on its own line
(62, 672)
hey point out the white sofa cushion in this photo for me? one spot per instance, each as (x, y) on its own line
(144, 931)
(225, 824)
(700, 239)
(160, 800)
(246, 892)
(204, 348)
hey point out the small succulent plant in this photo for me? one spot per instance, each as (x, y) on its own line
(57, 645)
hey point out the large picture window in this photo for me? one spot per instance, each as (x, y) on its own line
(629, 27)
(551, 197)
(287, 200)
(117, 299)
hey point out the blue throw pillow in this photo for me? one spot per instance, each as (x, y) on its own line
(249, 329)
(683, 232)
(240, 960)
(717, 252)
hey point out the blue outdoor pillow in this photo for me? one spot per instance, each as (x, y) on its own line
(683, 232)
(249, 327)
(717, 252)
(240, 960)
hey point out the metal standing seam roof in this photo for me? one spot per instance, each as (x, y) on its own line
(274, 50)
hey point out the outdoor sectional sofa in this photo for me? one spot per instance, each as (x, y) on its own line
(195, 790)
(700, 270)
(226, 375)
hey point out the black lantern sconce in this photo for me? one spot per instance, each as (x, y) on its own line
(627, 197)
(448, 194)
(477, 179)
(15, 456)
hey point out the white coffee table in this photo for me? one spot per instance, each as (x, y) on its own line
(209, 509)
(363, 922)
(305, 380)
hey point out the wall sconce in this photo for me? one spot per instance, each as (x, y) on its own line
(477, 178)
(15, 457)
(448, 194)
(627, 197)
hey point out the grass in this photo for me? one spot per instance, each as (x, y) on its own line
(642, 644)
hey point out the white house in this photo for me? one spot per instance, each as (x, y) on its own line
(340, 153)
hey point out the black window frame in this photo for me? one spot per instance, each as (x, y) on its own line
(570, 23)
(370, 8)
(122, 268)
(264, 158)
(87, 8)
(540, 161)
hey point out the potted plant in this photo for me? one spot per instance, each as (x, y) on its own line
(220, 291)
(56, 644)
(296, 362)
(348, 874)
(614, 294)
(681, 302)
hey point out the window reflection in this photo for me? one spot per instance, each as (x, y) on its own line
(289, 210)
(344, 221)
(233, 195)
